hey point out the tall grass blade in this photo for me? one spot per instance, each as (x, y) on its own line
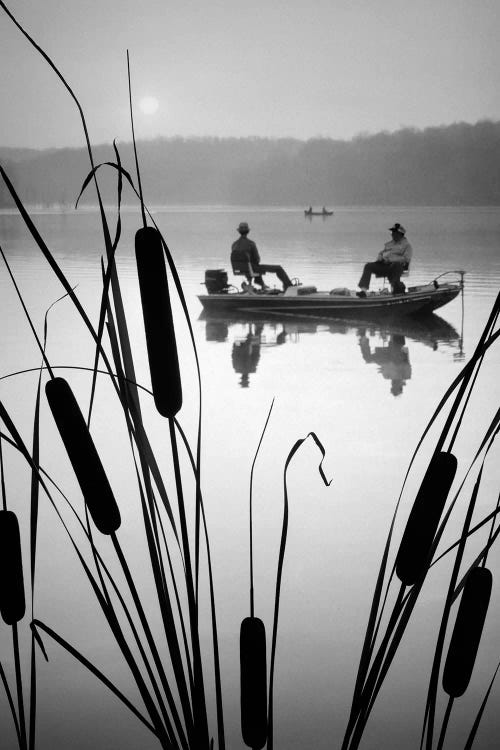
(35, 485)
(279, 574)
(250, 510)
(479, 716)
(181, 684)
(19, 687)
(37, 624)
(198, 698)
(10, 701)
(28, 317)
(106, 286)
(217, 671)
(139, 182)
(54, 265)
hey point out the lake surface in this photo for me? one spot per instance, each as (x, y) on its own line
(366, 389)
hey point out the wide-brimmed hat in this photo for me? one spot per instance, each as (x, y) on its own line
(397, 228)
(243, 227)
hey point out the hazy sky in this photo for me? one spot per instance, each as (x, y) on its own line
(247, 67)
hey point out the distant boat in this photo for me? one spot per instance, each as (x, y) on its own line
(324, 212)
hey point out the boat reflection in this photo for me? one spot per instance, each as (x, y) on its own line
(382, 343)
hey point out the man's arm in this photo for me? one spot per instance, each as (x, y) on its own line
(254, 254)
(408, 252)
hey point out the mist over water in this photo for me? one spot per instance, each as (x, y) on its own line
(367, 389)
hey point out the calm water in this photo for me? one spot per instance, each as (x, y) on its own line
(367, 390)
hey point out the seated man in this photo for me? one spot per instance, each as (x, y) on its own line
(245, 259)
(391, 262)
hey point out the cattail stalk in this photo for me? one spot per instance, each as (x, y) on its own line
(467, 632)
(414, 551)
(83, 455)
(12, 599)
(253, 675)
(158, 322)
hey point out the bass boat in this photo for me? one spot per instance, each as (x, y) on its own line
(300, 299)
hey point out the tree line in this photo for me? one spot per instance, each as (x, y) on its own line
(456, 164)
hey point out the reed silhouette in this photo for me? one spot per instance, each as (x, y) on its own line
(170, 670)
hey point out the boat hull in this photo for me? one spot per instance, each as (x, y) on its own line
(323, 304)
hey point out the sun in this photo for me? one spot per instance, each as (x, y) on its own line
(149, 105)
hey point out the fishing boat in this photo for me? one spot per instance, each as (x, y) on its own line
(301, 299)
(324, 212)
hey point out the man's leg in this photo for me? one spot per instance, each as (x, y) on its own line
(394, 276)
(259, 280)
(279, 271)
(375, 267)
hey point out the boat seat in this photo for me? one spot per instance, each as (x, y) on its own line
(406, 272)
(243, 268)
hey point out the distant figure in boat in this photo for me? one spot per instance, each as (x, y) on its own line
(324, 212)
(391, 262)
(245, 260)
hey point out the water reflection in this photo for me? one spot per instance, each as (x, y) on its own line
(382, 343)
(392, 358)
(245, 354)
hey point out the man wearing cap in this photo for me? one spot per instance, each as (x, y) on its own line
(391, 262)
(245, 259)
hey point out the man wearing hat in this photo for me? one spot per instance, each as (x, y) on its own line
(391, 262)
(245, 259)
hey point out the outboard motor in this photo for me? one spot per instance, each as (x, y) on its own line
(216, 281)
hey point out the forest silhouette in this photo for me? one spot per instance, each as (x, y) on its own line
(450, 165)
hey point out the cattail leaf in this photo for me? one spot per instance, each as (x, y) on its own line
(479, 716)
(91, 175)
(253, 681)
(10, 700)
(83, 455)
(158, 322)
(12, 599)
(279, 575)
(413, 555)
(217, 671)
(467, 632)
(38, 640)
(37, 624)
(106, 284)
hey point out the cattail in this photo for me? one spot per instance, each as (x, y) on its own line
(158, 322)
(12, 602)
(413, 555)
(83, 455)
(253, 673)
(466, 634)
